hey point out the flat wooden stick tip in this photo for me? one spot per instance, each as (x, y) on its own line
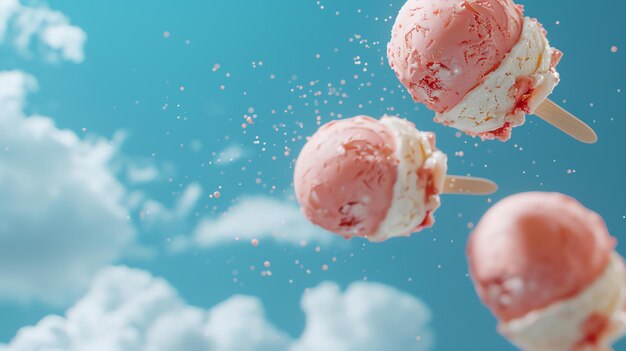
(557, 116)
(469, 186)
(592, 139)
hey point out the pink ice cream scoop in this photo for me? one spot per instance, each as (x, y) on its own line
(368, 178)
(441, 49)
(546, 267)
(479, 64)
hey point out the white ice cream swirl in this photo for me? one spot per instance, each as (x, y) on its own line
(421, 167)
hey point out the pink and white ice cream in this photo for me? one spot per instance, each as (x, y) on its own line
(547, 268)
(479, 64)
(369, 178)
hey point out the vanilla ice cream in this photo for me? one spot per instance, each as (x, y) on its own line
(414, 201)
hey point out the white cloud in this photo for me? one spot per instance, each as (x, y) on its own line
(8, 8)
(41, 30)
(129, 310)
(140, 175)
(366, 317)
(62, 215)
(155, 213)
(229, 155)
(258, 218)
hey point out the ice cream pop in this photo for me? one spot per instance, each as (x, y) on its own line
(376, 179)
(480, 65)
(547, 268)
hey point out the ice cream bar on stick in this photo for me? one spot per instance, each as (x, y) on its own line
(480, 65)
(547, 268)
(376, 179)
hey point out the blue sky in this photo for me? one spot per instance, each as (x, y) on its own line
(115, 139)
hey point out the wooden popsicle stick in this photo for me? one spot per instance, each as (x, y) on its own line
(469, 186)
(566, 122)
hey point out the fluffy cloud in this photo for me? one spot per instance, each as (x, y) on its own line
(367, 317)
(155, 213)
(62, 214)
(229, 155)
(41, 30)
(258, 218)
(129, 310)
(140, 175)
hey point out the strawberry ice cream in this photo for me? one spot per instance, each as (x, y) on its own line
(368, 178)
(547, 268)
(479, 64)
